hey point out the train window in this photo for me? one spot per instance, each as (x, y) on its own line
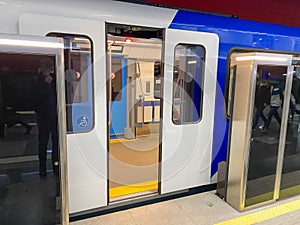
(187, 83)
(116, 81)
(78, 76)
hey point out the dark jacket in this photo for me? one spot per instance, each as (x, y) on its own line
(46, 100)
(262, 95)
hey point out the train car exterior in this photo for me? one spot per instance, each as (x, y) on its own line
(189, 149)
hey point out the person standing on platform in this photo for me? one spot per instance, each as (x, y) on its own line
(275, 103)
(46, 109)
(262, 99)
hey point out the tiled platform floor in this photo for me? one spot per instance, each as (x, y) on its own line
(205, 208)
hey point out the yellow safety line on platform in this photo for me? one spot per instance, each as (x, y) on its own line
(120, 140)
(133, 188)
(263, 215)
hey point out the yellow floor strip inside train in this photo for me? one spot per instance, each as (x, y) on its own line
(133, 188)
(120, 140)
(270, 213)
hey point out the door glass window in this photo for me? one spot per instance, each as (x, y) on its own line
(78, 74)
(290, 179)
(188, 77)
(265, 136)
(27, 114)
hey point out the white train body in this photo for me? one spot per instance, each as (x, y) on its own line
(189, 151)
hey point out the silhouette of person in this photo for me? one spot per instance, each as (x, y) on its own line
(293, 107)
(275, 103)
(46, 108)
(262, 99)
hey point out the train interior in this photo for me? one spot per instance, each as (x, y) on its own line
(134, 100)
(22, 190)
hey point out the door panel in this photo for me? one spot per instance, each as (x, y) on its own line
(87, 165)
(22, 188)
(258, 127)
(265, 136)
(187, 147)
(290, 181)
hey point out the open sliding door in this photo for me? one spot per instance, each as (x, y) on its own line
(188, 109)
(87, 136)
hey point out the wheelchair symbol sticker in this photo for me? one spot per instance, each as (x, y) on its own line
(82, 121)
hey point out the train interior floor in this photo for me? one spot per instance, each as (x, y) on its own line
(25, 197)
(133, 166)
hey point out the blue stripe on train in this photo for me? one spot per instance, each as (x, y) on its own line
(232, 33)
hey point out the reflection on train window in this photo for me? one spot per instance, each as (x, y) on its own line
(116, 81)
(187, 83)
(18, 80)
(78, 76)
(77, 60)
(296, 85)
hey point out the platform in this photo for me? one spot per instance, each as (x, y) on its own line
(201, 209)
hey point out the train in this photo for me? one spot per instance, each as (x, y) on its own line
(145, 90)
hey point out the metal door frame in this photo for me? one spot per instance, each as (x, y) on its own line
(236, 194)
